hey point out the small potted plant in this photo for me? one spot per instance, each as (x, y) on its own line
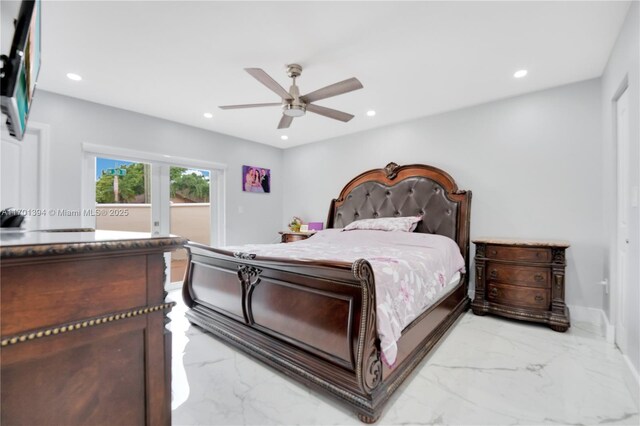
(295, 223)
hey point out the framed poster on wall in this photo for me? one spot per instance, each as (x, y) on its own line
(256, 179)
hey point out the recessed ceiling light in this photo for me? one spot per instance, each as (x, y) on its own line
(74, 77)
(208, 115)
(371, 113)
(520, 73)
(166, 156)
(284, 137)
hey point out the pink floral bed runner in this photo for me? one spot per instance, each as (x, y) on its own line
(411, 270)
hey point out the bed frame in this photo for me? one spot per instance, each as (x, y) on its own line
(315, 321)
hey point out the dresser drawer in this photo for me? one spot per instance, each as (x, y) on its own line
(528, 254)
(519, 275)
(527, 297)
(53, 293)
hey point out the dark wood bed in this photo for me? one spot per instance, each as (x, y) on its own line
(315, 321)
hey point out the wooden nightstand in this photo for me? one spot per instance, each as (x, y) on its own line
(522, 279)
(289, 236)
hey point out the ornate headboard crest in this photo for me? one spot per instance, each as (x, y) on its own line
(391, 170)
(415, 189)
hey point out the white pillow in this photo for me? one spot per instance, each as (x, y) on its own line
(404, 224)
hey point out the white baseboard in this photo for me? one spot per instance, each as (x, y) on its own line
(609, 329)
(593, 316)
(585, 314)
(598, 318)
(633, 380)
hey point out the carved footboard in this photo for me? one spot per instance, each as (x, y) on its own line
(314, 321)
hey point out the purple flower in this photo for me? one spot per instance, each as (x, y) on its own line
(406, 292)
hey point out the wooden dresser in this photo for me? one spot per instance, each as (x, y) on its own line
(83, 329)
(522, 279)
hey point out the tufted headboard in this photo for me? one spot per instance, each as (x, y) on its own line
(411, 190)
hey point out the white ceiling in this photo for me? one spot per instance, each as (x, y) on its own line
(177, 60)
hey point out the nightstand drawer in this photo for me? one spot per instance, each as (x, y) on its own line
(530, 276)
(527, 297)
(529, 254)
(290, 237)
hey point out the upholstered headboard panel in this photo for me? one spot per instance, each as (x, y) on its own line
(411, 197)
(397, 191)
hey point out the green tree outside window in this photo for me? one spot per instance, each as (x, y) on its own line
(190, 186)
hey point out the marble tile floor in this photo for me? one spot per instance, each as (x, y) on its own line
(487, 371)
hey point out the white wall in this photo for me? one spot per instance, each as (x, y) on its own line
(533, 163)
(623, 65)
(73, 121)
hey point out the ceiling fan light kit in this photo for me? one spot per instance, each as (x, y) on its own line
(294, 105)
(294, 110)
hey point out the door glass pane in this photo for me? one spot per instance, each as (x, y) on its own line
(190, 212)
(123, 195)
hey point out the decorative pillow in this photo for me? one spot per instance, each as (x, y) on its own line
(404, 224)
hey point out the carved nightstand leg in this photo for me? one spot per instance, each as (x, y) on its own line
(559, 320)
(366, 419)
(559, 328)
(560, 323)
(478, 311)
(479, 305)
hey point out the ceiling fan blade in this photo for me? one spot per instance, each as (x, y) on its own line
(285, 122)
(335, 89)
(249, 105)
(328, 112)
(265, 79)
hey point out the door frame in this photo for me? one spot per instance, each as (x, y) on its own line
(160, 218)
(615, 302)
(42, 131)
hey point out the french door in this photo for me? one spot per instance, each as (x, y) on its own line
(143, 192)
(189, 212)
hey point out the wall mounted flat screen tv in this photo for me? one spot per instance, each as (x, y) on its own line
(20, 68)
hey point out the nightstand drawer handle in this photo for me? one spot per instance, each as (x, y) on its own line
(493, 292)
(539, 298)
(494, 252)
(538, 277)
(494, 273)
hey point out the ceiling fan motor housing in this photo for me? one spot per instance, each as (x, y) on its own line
(294, 107)
(294, 70)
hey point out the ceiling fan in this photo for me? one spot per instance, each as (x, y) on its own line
(294, 105)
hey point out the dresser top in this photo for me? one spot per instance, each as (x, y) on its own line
(36, 243)
(521, 242)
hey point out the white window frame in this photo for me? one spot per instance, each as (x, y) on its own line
(160, 211)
